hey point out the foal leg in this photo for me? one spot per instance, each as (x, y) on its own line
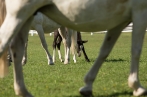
(63, 34)
(80, 44)
(24, 59)
(40, 31)
(85, 55)
(68, 45)
(58, 42)
(109, 41)
(18, 47)
(139, 27)
(55, 44)
(74, 44)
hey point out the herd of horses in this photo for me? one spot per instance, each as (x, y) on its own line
(72, 40)
(42, 24)
(85, 15)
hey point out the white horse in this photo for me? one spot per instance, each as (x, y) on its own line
(42, 24)
(85, 15)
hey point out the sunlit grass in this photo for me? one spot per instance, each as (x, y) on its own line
(64, 80)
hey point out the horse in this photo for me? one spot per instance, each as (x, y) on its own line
(69, 38)
(69, 41)
(43, 24)
(80, 47)
(85, 15)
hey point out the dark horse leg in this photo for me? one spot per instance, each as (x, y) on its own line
(57, 43)
(81, 46)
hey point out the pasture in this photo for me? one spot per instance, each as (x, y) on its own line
(62, 80)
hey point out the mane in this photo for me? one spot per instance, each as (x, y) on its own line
(2, 11)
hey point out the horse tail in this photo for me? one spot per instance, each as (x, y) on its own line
(2, 11)
(73, 42)
(3, 65)
(3, 58)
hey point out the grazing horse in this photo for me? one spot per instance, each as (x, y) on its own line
(80, 47)
(69, 38)
(42, 24)
(57, 43)
(85, 15)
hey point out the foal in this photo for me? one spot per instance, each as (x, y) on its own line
(57, 43)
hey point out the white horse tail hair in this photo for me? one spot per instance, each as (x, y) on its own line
(73, 42)
(3, 65)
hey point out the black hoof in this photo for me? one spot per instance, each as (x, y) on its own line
(87, 60)
(86, 94)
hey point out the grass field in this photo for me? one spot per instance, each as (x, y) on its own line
(64, 80)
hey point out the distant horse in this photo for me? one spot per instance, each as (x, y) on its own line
(57, 43)
(85, 15)
(69, 38)
(80, 47)
(42, 25)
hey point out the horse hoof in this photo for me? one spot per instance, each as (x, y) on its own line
(66, 63)
(51, 64)
(140, 92)
(86, 93)
(62, 61)
(88, 60)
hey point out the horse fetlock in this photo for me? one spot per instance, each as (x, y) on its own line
(133, 83)
(74, 59)
(86, 91)
(140, 92)
(24, 61)
(54, 59)
(61, 60)
(22, 92)
(66, 62)
(50, 63)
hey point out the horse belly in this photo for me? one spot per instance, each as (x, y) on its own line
(89, 15)
(49, 25)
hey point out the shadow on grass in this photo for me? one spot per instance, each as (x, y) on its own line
(125, 93)
(114, 60)
(110, 60)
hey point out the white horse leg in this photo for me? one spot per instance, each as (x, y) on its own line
(58, 47)
(54, 55)
(63, 34)
(24, 59)
(68, 45)
(74, 45)
(15, 19)
(44, 44)
(18, 47)
(60, 56)
(56, 44)
(110, 39)
(139, 27)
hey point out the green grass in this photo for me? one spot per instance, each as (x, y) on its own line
(64, 80)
